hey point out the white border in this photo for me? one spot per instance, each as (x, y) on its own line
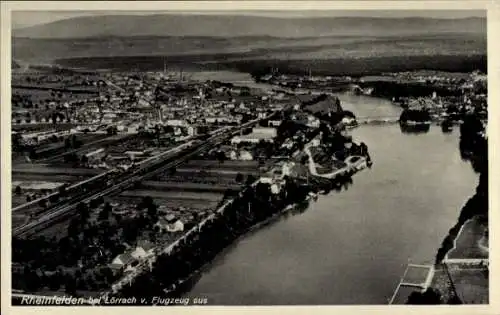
(493, 8)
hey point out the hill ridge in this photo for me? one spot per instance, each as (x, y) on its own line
(241, 25)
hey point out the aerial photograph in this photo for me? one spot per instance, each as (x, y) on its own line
(240, 158)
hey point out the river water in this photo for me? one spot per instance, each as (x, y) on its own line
(352, 247)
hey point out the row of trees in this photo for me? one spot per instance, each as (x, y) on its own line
(254, 206)
(473, 147)
(67, 281)
(78, 260)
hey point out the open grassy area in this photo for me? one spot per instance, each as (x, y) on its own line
(56, 231)
(18, 220)
(467, 243)
(53, 171)
(189, 186)
(171, 201)
(472, 285)
(50, 178)
(230, 165)
(471, 282)
(39, 96)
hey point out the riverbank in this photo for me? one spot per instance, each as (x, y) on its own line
(255, 207)
(462, 261)
(181, 289)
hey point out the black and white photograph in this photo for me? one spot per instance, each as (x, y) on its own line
(248, 157)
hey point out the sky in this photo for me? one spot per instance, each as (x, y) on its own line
(22, 19)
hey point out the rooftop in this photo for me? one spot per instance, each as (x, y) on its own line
(323, 104)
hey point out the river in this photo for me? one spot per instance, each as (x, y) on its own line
(352, 247)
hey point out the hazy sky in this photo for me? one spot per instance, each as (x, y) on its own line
(30, 18)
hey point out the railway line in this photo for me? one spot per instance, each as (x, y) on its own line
(146, 169)
(121, 183)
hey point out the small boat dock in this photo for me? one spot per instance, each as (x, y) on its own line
(415, 278)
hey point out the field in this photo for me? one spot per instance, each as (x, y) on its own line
(178, 196)
(57, 230)
(49, 177)
(226, 165)
(472, 285)
(467, 243)
(98, 141)
(53, 171)
(39, 95)
(218, 186)
(41, 127)
(329, 55)
(331, 65)
(471, 282)
(48, 149)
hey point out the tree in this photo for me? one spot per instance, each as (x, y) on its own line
(62, 190)
(239, 178)
(146, 202)
(70, 285)
(152, 210)
(73, 228)
(84, 160)
(429, 297)
(83, 211)
(54, 282)
(221, 156)
(105, 212)
(130, 232)
(42, 203)
(109, 130)
(33, 281)
(250, 180)
(54, 198)
(18, 190)
(263, 191)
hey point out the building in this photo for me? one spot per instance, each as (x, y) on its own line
(123, 261)
(176, 122)
(34, 187)
(170, 224)
(271, 132)
(323, 105)
(143, 249)
(218, 119)
(191, 131)
(242, 155)
(134, 154)
(274, 123)
(95, 156)
(245, 156)
(257, 135)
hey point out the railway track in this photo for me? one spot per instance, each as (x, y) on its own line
(144, 172)
(63, 212)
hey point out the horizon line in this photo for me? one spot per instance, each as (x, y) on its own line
(374, 14)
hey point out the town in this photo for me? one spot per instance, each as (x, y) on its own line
(119, 177)
(267, 157)
(107, 178)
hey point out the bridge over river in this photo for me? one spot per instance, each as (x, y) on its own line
(377, 120)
